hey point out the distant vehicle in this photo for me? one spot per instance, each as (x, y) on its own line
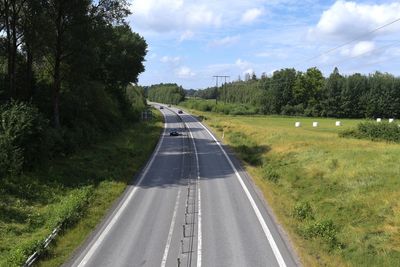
(161, 107)
(173, 132)
(180, 112)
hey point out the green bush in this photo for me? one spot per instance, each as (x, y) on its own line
(71, 208)
(324, 229)
(375, 131)
(22, 130)
(303, 211)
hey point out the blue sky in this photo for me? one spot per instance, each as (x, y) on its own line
(192, 40)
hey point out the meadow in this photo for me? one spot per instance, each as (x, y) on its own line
(75, 191)
(337, 198)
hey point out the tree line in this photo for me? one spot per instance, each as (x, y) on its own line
(71, 63)
(169, 93)
(291, 92)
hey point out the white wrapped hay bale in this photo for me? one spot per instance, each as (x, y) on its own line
(391, 120)
(315, 124)
(297, 124)
(378, 120)
(338, 123)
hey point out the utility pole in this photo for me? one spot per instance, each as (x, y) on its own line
(216, 87)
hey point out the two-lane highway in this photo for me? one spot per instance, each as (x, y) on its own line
(191, 206)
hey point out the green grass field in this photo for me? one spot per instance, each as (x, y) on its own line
(338, 198)
(83, 185)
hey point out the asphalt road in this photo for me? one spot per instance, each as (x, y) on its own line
(192, 205)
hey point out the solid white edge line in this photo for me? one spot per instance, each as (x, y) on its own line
(121, 209)
(260, 218)
(199, 236)
(171, 230)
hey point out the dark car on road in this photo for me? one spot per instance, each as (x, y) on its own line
(161, 107)
(173, 132)
(180, 112)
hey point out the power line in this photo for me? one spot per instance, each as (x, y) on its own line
(342, 45)
(351, 41)
(362, 54)
(329, 51)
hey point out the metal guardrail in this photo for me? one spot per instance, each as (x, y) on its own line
(31, 260)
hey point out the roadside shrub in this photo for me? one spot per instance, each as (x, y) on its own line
(303, 211)
(19, 254)
(325, 229)
(383, 131)
(22, 130)
(71, 207)
(66, 213)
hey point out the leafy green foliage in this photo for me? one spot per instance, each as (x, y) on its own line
(383, 131)
(291, 92)
(166, 93)
(72, 64)
(33, 203)
(225, 108)
(21, 136)
(303, 211)
(324, 229)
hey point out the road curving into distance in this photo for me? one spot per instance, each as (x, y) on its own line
(192, 205)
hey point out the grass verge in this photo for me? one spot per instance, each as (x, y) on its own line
(82, 186)
(338, 199)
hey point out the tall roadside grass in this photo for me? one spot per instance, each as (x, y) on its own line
(338, 198)
(75, 192)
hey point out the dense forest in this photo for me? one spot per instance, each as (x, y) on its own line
(291, 92)
(66, 69)
(166, 93)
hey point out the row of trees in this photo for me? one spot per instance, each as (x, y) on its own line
(169, 93)
(51, 48)
(291, 92)
(71, 63)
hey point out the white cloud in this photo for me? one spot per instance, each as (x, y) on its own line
(251, 15)
(172, 15)
(187, 35)
(242, 64)
(184, 72)
(360, 48)
(229, 40)
(170, 60)
(273, 53)
(347, 20)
